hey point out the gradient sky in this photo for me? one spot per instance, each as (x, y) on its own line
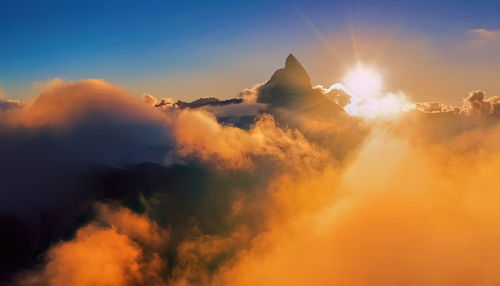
(191, 49)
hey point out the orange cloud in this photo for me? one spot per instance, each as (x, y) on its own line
(397, 215)
(149, 99)
(63, 103)
(477, 103)
(196, 254)
(198, 133)
(136, 226)
(417, 204)
(96, 256)
(109, 251)
(250, 94)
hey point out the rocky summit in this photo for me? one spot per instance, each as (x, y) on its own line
(290, 88)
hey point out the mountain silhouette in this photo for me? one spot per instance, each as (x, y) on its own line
(290, 88)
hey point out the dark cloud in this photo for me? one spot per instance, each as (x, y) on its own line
(8, 104)
(49, 144)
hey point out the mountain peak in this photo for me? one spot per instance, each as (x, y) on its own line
(290, 88)
(291, 62)
(286, 84)
(292, 75)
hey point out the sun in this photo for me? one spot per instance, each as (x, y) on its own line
(368, 99)
(363, 81)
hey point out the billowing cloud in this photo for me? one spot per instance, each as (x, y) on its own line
(137, 227)
(337, 93)
(110, 189)
(63, 141)
(48, 141)
(414, 218)
(436, 107)
(250, 94)
(105, 252)
(69, 103)
(149, 99)
(236, 148)
(477, 103)
(43, 86)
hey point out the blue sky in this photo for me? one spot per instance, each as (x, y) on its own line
(143, 45)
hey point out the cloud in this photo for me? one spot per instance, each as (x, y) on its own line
(48, 142)
(413, 218)
(105, 252)
(149, 99)
(436, 107)
(57, 148)
(477, 103)
(105, 188)
(7, 104)
(70, 102)
(315, 111)
(43, 86)
(237, 148)
(250, 94)
(137, 227)
(485, 41)
(336, 92)
(484, 35)
(197, 254)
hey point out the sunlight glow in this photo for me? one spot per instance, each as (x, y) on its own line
(363, 81)
(367, 99)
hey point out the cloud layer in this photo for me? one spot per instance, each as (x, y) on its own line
(103, 188)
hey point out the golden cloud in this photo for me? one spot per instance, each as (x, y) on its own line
(108, 251)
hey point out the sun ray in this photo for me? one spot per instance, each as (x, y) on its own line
(322, 38)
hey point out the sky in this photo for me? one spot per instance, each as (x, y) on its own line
(192, 49)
